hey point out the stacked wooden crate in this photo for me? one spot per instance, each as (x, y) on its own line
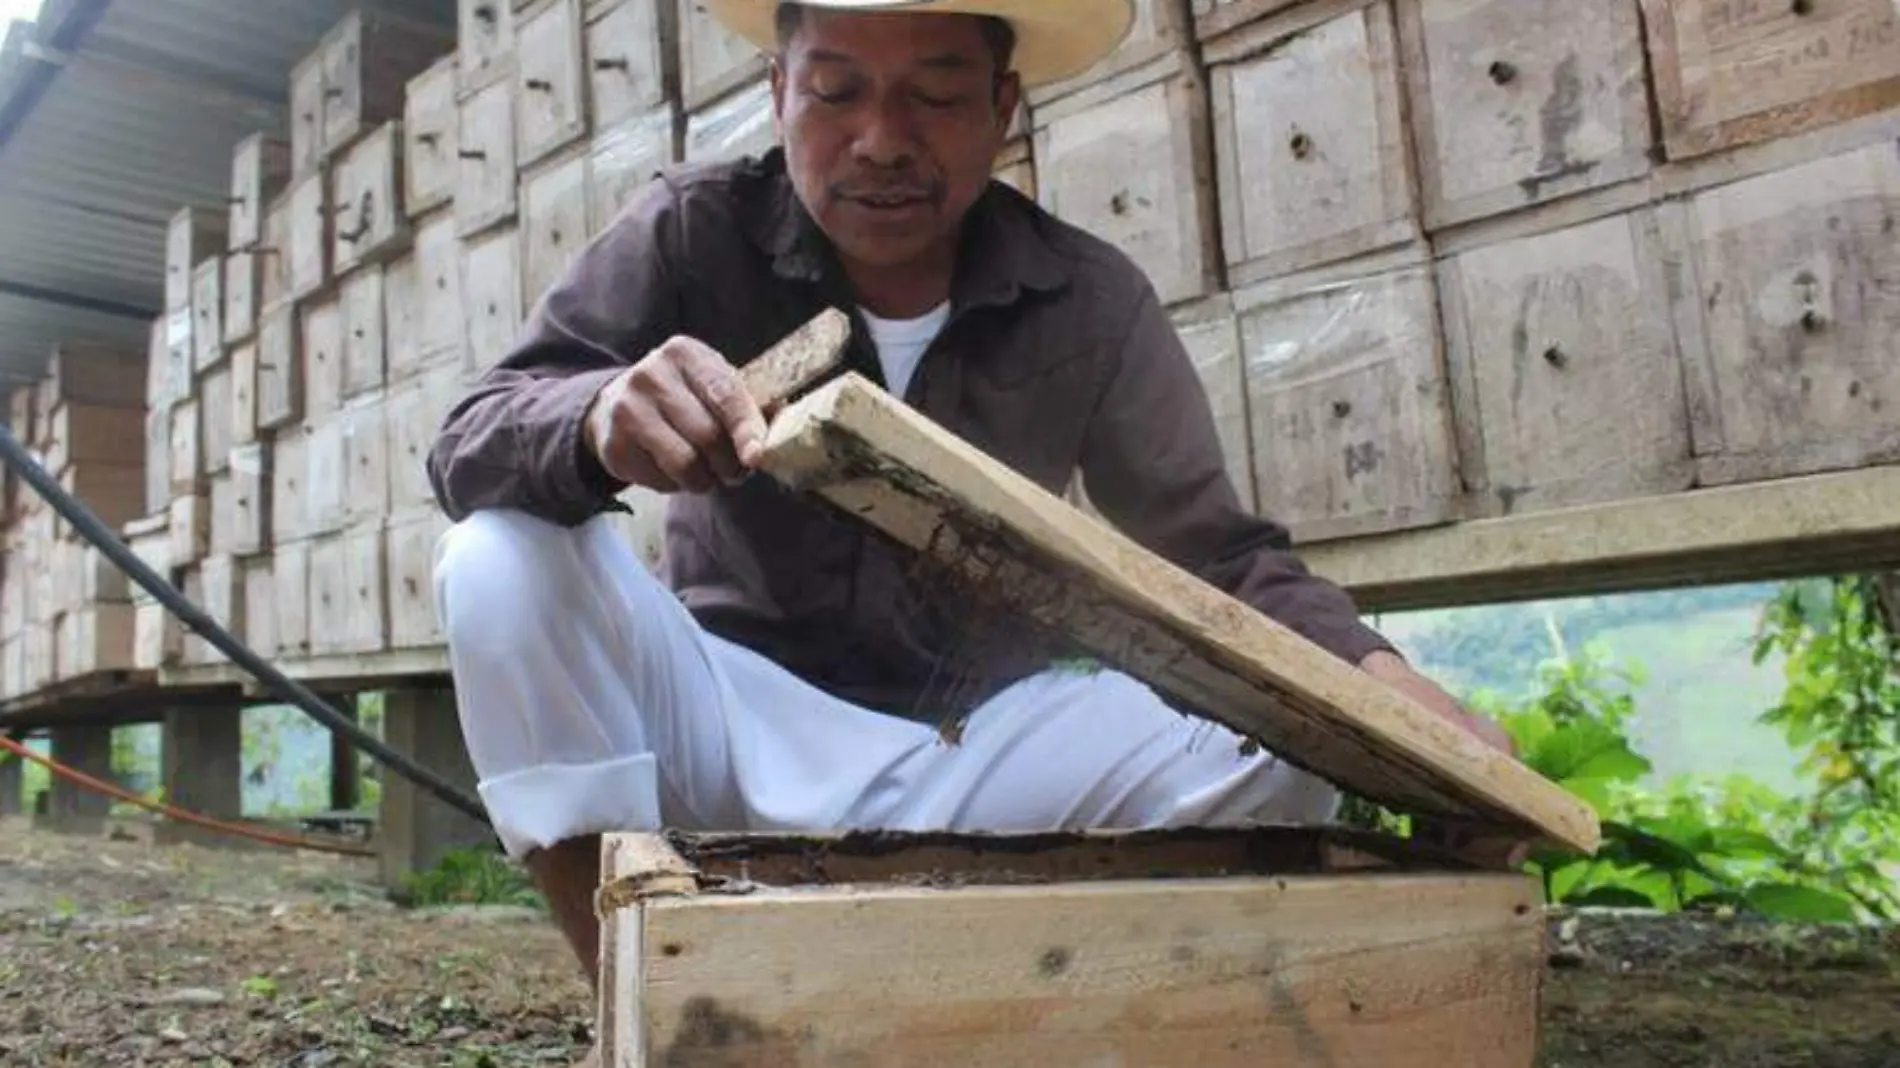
(65, 611)
(1474, 278)
(1434, 259)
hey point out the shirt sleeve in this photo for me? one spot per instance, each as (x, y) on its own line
(1152, 465)
(516, 439)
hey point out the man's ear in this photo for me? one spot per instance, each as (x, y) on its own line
(776, 73)
(1009, 94)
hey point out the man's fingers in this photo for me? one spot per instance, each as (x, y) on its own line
(719, 387)
(693, 420)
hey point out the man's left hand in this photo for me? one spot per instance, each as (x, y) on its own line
(1395, 672)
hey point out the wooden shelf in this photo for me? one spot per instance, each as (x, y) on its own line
(359, 670)
(1786, 528)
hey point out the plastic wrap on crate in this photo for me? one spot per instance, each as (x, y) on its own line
(624, 158)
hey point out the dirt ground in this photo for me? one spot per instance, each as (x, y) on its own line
(122, 953)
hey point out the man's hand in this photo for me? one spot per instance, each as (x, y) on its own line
(1395, 672)
(679, 420)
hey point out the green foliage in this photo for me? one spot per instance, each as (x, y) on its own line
(470, 877)
(1825, 854)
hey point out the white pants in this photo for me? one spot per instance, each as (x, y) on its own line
(592, 701)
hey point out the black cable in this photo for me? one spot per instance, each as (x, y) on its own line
(107, 541)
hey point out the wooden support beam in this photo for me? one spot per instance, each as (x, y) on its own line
(853, 445)
(1846, 521)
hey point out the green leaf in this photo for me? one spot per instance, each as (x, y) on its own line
(1614, 897)
(1738, 843)
(1787, 901)
(1587, 749)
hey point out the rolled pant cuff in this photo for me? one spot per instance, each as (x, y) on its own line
(536, 807)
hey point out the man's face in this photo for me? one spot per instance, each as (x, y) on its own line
(891, 124)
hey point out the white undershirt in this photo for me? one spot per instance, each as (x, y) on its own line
(901, 343)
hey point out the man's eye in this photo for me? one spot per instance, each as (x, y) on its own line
(833, 95)
(934, 101)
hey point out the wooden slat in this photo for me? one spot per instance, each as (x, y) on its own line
(1029, 551)
(1401, 971)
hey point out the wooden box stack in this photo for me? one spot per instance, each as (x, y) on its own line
(65, 613)
(1435, 260)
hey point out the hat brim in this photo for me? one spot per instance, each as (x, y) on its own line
(1055, 39)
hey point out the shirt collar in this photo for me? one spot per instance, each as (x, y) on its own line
(1005, 247)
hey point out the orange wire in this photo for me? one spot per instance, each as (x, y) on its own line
(159, 807)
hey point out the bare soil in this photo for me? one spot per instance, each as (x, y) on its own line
(124, 953)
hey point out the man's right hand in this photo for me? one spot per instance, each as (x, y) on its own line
(679, 420)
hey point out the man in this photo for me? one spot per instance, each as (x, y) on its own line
(789, 669)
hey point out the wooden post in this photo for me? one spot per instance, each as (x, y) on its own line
(416, 829)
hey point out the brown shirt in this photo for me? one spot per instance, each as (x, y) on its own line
(1057, 357)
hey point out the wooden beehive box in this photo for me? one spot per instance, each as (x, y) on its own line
(1248, 945)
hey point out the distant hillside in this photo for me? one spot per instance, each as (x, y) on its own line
(1699, 693)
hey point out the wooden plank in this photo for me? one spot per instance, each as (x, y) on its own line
(431, 124)
(1784, 528)
(1401, 971)
(1026, 551)
(713, 60)
(732, 126)
(368, 225)
(623, 158)
(553, 222)
(632, 59)
(486, 44)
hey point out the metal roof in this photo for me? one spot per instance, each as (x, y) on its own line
(114, 114)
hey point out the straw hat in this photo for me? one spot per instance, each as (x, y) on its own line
(1055, 39)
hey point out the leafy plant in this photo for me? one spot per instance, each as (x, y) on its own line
(470, 877)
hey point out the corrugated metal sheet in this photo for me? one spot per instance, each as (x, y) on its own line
(140, 105)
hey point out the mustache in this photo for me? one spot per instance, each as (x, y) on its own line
(916, 187)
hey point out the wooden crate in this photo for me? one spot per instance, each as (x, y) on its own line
(367, 59)
(1518, 102)
(280, 376)
(1210, 333)
(92, 640)
(368, 225)
(258, 579)
(114, 492)
(306, 114)
(1787, 319)
(215, 408)
(485, 175)
(190, 527)
(326, 466)
(243, 293)
(1553, 339)
(1348, 404)
(243, 394)
(625, 157)
(364, 332)
(193, 235)
(158, 637)
(260, 170)
(431, 126)
(1215, 948)
(365, 459)
(290, 468)
(1161, 215)
(550, 80)
(423, 303)
(207, 314)
(491, 297)
(1732, 73)
(413, 414)
(411, 539)
(553, 222)
(321, 345)
(250, 514)
(485, 54)
(714, 61)
(1016, 166)
(632, 50)
(290, 586)
(187, 449)
(1312, 156)
(348, 586)
(739, 124)
(94, 433)
(310, 230)
(86, 373)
